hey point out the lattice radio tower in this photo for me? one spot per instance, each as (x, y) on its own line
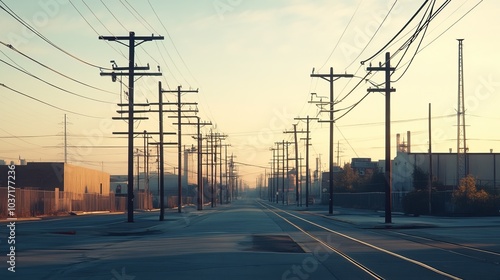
(461, 139)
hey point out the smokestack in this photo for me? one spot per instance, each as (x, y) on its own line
(398, 142)
(408, 142)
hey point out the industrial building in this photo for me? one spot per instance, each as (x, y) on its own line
(49, 176)
(485, 167)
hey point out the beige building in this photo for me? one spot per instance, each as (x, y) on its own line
(66, 177)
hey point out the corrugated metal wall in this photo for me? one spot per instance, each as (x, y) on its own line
(79, 179)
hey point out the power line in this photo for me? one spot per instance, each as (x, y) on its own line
(173, 44)
(97, 18)
(53, 85)
(55, 71)
(251, 165)
(453, 24)
(406, 44)
(348, 143)
(352, 107)
(397, 34)
(400, 121)
(48, 104)
(414, 37)
(152, 30)
(36, 32)
(102, 2)
(374, 34)
(341, 36)
(90, 25)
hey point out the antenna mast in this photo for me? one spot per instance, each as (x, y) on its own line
(461, 139)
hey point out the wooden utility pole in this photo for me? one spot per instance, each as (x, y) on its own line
(179, 110)
(296, 144)
(199, 154)
(388, 170)
(131, 79)
(430, 162)
(308, 120)
(273, 174)
(330, 77)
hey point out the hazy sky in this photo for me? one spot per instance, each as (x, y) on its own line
(251, 61)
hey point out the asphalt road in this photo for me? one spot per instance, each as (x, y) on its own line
(248, 240)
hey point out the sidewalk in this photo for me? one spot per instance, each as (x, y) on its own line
(152, 225)
(376, 219)
(145, 222)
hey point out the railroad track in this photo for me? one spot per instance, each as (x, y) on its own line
(379, 262)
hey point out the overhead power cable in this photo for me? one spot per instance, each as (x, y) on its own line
(48, 104)
(397, 34)
(55, 71)
(109, 10)
(413, 38)
(341, 36)
(374, 34)
(53, 85)
(37, 33)
(449, 27)
(95, 31)
(173, 44)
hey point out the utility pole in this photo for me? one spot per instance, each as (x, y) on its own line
(131, 79)
(285, 169)
(219, 137)
(201, 190)
(273, 173)
(232, 177)
(146, 163)
(208, 154)
(162, 153)
(283, 175)
(330, 77)
(199, 154)
(338, 153)
(227, 175)
(277, 170)
(388, 170)
(179, 104)
(220, 171)
(160, 145)
(138, 169)
(215, 166)
(308, 120)
(430, 162)
(296, 161)
(212, 155)
(65, 140)
(220, 168)
(200, 159)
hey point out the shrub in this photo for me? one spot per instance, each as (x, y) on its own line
(469, 200)
(416, 202)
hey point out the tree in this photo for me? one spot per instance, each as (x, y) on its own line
(372, 181)
(417, 201)
(420, 179)
(347, 179)
(469, 200)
